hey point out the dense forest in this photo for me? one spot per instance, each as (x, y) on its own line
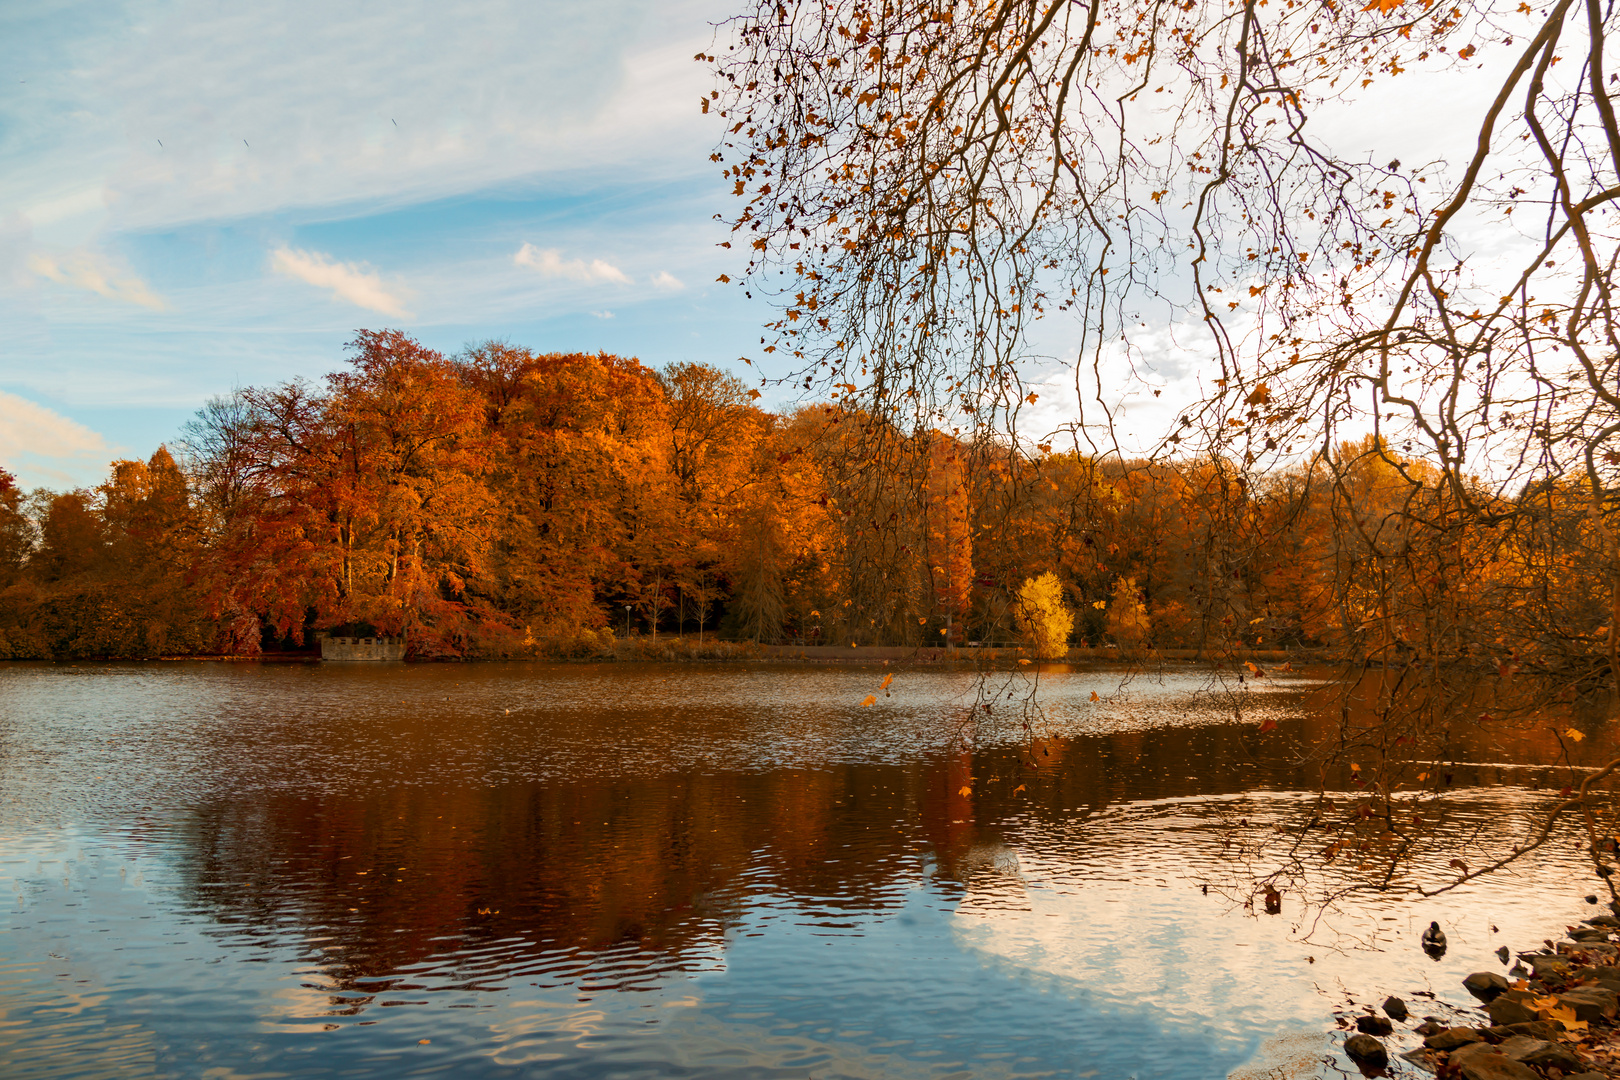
(506, 503)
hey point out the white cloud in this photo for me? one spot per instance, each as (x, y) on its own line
(550, 263)
(187, 111)
(665, 280)
(98, 274)
(43, 447)
(355, 282)
(602, 314)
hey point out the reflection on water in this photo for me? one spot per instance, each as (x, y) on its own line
(592, 871)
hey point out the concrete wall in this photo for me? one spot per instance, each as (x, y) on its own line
(362, 648)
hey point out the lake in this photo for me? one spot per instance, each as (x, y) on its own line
(733, 870)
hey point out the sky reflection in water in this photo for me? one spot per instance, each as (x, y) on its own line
(234, 871)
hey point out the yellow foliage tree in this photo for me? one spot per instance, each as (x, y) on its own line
(1127, 616)
(1046, 620)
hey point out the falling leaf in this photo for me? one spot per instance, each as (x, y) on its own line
(424, 1042)
(1032, 398)
(1023, 661)
(871, 699)
(1575, 735)
(1422, 776)
(1268, 724)
(1094, 696)
(1017, 789)
(888, 681)
(964, 790)
(1354, 767)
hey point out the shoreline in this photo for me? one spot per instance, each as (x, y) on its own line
(1554, 1016)
(684, 651)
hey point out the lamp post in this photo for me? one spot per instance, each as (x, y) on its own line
(627, 622)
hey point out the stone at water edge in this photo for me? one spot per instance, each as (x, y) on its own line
(1486, 985)
(1502, 954)
(1452, 1038)
(1545, 1030)
(1395, 1008)
(1373, 1025)
(1367, 1051)
(1540, 1053)
(1482, 1062)
(1591, 1003)
(1603, 976)
(1505, 1010)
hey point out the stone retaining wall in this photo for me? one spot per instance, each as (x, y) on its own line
(362, 648)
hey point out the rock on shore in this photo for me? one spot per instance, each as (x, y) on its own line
(1559, 1021)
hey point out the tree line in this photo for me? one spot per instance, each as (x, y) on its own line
(502, 503)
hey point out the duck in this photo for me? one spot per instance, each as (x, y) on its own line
(1434, 941)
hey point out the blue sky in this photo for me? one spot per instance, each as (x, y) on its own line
(197, 195)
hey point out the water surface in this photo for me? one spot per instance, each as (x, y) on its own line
(235, 871)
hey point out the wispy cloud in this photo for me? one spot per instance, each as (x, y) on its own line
(666, 280)
(98, 274)
(602, 314)
(41, 446)
(550, 263)
(355, 282)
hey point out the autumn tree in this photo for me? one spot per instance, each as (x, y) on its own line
(1044, 617)
(16, 531)
(949, 541)
(363, 502)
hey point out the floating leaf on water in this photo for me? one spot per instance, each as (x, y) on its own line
(1576, 735)
(870, 699)
(964, 790)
